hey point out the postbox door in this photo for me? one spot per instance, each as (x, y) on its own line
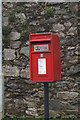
(42, 67)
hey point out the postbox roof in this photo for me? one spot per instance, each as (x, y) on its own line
(40, 37)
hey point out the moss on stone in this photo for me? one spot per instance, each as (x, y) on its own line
(24, 24)
(71, 5)
(6, 41)
(17, 10)
(12, 17)
(24, 35)
(6, 30)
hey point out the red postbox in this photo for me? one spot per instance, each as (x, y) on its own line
(44, 57)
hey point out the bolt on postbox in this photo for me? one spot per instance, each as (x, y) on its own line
(44, 57)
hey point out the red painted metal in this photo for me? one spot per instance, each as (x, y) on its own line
(44, 47)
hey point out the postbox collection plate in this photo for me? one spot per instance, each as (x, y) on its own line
(41, 47)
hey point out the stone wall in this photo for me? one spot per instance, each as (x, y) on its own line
(21, 96)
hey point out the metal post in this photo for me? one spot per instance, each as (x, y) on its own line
(46, 101)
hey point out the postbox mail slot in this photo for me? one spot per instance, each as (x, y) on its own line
(44, 57)
(39, 40)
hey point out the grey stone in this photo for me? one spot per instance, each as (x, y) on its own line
(51, 20)
(60, 12)
(66, 16)
(41, 94)
(53, 114)
(19, 101)
(28, 72)
(42, 21)
(15, 35)
(12, 85)
(58, 27)
(11, 71)
(71, 48)
(57, 8)
(72, 31)
(69, 54)
(7, 100)
(77, 53)
(28, 5)
(62, 41)
(5, 21)
(74, 69)
(57, 105)
(30, 17)
(41, 107)
(61, 84)
(67, 24)
(32, 112)
(25, 51)
(19, 63)
(34, 23)
(21, 16)
(8, 5)
(42, 13)
(9, 54)
(27, 43)
(74, 60)
(31, 104)
(41, 29)
(31, 109)
(73, 101)
(61, 34)
(23, 73)
(67, 95)
(15, 44)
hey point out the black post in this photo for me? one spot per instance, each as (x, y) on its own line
(46, 101)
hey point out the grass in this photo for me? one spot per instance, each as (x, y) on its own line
(71, 117)
(35, 119)
(49, 12)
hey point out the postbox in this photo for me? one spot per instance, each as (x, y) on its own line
(44, 57)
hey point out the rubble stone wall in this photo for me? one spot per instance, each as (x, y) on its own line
(21, 96)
